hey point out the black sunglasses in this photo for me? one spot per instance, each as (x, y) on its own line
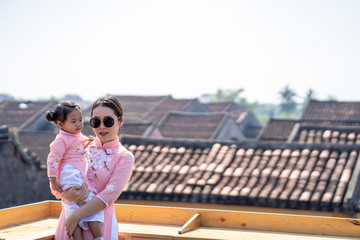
(108, 122)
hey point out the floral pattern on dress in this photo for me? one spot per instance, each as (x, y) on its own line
(97, 159)
(110, 187)
(56, 163)
(79, 147)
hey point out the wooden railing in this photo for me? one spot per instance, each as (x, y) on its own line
(185, 223)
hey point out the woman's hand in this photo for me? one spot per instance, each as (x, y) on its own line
(71, 223)
(76, 194)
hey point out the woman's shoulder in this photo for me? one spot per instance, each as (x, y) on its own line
(126, 154)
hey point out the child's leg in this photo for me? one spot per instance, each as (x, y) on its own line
(95, 229)
(77, 234)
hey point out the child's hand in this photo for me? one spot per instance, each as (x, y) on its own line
(89, 140)
(55, 187)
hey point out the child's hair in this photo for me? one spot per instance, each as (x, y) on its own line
(61, 111)
(110, 102)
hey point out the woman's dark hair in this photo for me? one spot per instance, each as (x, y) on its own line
(61, 111)
(111, 102)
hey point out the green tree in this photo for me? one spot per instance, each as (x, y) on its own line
(310, 94)
(288, 104)
(331, 98)
(234, 96)
(227, 95)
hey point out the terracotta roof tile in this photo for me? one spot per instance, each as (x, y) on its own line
(277, 130)
(334, 134)
(135, 107)
(17, 113)
(223, 107)
(137, 129)
(253, 173)
(246, 120)
(170, 105)
(332, 110)
(197, 126)
(38, 143)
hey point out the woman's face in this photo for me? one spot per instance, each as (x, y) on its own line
(103, 133)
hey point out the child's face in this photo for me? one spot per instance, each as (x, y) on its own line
(73, 123)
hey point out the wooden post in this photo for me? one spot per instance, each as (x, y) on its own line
(193, 223)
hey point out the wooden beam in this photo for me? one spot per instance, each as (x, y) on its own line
(179, 217)
(241, 220)
(193, 223)
(24, 213)
(55, 208)
(36, 230)
(232, 208)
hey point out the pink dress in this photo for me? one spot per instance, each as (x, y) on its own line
(108, 169)
(66, 163)
(67, 148)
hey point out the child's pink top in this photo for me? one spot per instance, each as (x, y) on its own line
(67, 148)
(109, 169)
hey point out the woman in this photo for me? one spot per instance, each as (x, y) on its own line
(109, 167)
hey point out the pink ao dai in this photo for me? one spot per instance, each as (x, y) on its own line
(109, 169)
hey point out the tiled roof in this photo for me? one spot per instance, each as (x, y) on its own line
(17, 113)
(87, 130)
(281, 129)
(312, 177)
(137, 129)
(217, 107)
(136, 106)
(246, 120)
(165, 106)
(248, 123)
(277, 130)
(191, 125)
(331, 110)
(38, 143)
(223, 107)
(329, 134)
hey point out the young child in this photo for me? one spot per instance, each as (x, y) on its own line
(66, 165)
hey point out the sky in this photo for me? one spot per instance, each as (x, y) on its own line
(182, 48)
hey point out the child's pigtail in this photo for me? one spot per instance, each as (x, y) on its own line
(50, 116)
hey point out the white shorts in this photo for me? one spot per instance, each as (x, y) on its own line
(70, 177)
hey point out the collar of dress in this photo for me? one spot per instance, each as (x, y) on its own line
(107, 145)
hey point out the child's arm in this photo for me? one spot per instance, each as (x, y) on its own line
(55, 186)
(57, 151)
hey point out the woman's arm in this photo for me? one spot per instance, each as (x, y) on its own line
(118, 180)
(93, 206)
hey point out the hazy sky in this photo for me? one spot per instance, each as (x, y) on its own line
(180, 48)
